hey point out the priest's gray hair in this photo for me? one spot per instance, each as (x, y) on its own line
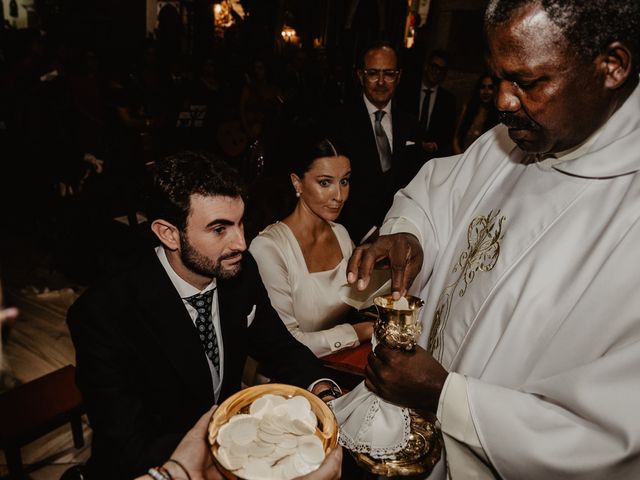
(589, 26)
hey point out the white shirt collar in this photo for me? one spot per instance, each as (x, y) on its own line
(433, 89)
(371, 108)
(184, 288)
(574, 152)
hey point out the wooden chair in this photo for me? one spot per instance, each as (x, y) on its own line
(35, 408)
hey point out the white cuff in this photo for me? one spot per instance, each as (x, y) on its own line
(310, 388)
(454, 413)
(341, 336)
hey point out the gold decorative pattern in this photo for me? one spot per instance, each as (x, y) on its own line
(483, 249)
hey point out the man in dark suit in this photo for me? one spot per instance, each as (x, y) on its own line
(160, 343)
(380, 139)
(434, 106)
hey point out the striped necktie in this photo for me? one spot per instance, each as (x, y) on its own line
(382, 141)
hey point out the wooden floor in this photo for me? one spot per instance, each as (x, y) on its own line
(39, 343)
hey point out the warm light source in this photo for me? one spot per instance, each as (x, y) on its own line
(225, 13)
(288, 33)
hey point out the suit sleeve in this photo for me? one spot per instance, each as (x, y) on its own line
(114, 401)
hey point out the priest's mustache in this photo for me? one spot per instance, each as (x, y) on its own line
(230, 255)
(513, 121)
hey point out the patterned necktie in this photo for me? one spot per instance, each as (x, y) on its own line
(204, 324)
(424, 111)
(384, 148)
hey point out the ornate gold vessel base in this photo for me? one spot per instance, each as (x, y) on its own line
(417, 458)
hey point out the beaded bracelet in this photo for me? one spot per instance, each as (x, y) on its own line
(181, 467)
(159, 473)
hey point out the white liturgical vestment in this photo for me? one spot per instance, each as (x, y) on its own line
(531, 282)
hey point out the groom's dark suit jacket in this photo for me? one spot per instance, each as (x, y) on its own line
(141, 367)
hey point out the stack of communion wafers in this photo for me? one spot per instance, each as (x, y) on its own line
(275, 437)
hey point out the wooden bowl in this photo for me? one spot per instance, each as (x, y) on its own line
(327, 429)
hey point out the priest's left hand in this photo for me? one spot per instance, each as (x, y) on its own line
(410, 379)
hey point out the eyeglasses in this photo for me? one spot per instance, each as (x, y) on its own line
(388, 74)
(438, 68)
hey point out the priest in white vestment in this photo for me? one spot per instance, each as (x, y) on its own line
(530, 267)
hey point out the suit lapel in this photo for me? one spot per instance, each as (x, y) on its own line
(233, 307)
(399, 128)
(170, 326)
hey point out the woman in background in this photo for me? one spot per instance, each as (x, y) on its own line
(302, 259)
(478, 115)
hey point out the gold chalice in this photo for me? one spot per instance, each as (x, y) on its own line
(400, 329)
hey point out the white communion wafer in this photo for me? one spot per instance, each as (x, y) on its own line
(298, 407)
(277, 472)
(259, 407)
(224, 437)
(401, 304)
(260, 448)
(302, 427)
(258, 469)
(288, 441)
(273, 438)
(244, 431)
(302, 466)
(289, 470)
(229, 459)
(310, 448)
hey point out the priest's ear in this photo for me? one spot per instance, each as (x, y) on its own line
(617, 65)
(167, 233)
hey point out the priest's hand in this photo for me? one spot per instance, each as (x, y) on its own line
(401, 252)
(411, 379)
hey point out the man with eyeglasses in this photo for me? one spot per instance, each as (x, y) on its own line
(381, 140)
(434, 106)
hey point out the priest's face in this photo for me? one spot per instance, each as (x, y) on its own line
(550, 99)
(379, 76)
(213, 241)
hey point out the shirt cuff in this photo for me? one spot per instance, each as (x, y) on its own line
(400, 225)
(454, 413)
(341, 336)
(310, 388)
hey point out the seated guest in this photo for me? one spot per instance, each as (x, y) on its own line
(302, 259)
(478, 115)
(160, 343)
(382, 139)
